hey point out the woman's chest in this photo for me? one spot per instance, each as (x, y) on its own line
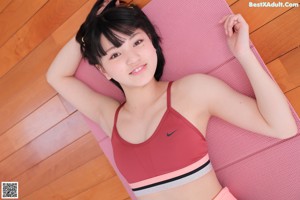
(175, 143)
(137, 130)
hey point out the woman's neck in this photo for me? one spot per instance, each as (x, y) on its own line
(138, 99)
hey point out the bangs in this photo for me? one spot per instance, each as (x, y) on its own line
(115, 21)
(111, 33)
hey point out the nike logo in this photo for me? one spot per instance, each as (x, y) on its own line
(169, 134)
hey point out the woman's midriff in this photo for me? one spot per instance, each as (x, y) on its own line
(204, 188)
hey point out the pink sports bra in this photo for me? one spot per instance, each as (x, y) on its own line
(174, 155)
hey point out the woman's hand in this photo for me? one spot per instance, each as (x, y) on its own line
(237, 31)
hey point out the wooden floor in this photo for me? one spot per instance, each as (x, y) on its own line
(44, 143)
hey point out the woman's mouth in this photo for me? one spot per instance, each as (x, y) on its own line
(138, 70)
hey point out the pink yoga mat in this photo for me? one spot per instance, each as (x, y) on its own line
(251, 165)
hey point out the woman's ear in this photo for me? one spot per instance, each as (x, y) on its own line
(102, 70)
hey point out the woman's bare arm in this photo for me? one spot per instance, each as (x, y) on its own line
(60, 76)
(270, 100)
(270, 106)
(213, 97)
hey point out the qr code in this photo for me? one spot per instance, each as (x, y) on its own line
(10, 190)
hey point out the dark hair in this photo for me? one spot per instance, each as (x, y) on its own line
(124, 19)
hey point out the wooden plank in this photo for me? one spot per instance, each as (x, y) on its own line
(281, 75)
(4, 4)
(15, 15)
(258, 16)
(285, 70)
(53, 14)
(31, 127)
(43, 146)
(33, 67)
(62, 162)
(231, 2)
(111, 189)
(70, 27)
(141, 3)
(279, 36)
(38, 61)
(76, 181)
(294, 96)
(291, 62)
(22, 84)
(23, 103)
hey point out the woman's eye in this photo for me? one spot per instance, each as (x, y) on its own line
(115, 55)
(138, 42)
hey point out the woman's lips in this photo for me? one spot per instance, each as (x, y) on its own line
(138, 70)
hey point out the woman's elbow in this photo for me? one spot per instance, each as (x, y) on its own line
(289, 132)
(50, 77)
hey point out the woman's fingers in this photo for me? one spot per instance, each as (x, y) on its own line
(226, 21)
(237, 31)
(226, 25)
(230, 22)
(223, 19)
(229, 25)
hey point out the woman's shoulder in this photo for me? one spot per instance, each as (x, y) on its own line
(190, 97)
(190, 88)
(193, 82)
(197, 87)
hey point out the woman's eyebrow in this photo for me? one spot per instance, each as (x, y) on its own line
(131, 36)
(134, 34)
(111, 48)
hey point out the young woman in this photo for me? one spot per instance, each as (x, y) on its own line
(158, 133)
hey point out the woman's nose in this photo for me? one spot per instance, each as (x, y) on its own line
(132, 57)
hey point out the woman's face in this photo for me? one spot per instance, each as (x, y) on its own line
(133, 63)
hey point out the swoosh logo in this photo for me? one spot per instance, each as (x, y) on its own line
(169, 134)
